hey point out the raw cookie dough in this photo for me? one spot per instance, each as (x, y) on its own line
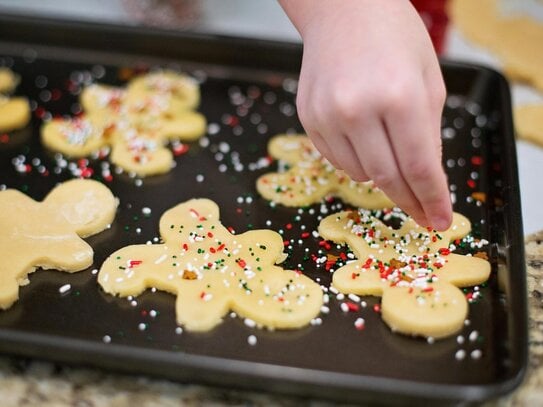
(411, 268)
(135, 122)
(8, 80)
(516, 40)
(529, 123)
(48, 234)
(212, 271)
(311, 177)
(14, 111)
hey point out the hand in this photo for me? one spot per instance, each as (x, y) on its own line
(370, 97)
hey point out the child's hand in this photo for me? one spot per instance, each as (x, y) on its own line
(370, 97)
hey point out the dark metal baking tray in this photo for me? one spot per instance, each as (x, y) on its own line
(248, 95)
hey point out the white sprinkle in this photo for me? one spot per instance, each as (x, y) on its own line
(460, 354)
(316, 321)
(354, 297)
(106, 339)
(325, 309)
(473, 336)
(142, 326)
(251, 340)
(146, 211)
(161, 259)
(249, 322)
(430, 340)
(65, 288)
(460, 339)
(153, 313)
(476, 354)
(359, 323)
(178, 330)
(344, 307)
(94, 271)
(200, 178)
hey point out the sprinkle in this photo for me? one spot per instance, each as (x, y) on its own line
(65, 288)
(251, 340)
(178, 330)
(106, 339)
(360, 323)
(476, 354)
(249, 322)
(460, 354)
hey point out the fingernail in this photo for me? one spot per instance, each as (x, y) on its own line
(440, 224)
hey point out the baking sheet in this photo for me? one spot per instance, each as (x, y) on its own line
(248, 93)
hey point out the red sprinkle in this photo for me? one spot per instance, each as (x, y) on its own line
(377, 308)
(352, 306)
(476, 160)
(133, 263)
(180, 149)
(471, 183)
(428, 289)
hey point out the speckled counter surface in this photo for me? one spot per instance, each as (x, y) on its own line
(29, 383)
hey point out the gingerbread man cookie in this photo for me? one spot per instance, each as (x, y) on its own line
(48, 234)
(412, 268)
(14, 111)
(212, 271)
(311, 177)
(136, 122)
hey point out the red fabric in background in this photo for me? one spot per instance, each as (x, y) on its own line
(434, 15)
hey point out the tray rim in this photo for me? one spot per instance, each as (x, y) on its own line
(290, 380)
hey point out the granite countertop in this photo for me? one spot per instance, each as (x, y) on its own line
(24, 382)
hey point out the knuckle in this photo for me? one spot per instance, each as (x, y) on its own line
(385, 180)
(417, 169)
(347, 103)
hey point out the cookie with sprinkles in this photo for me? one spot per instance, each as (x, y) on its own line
(136, 122)
(212, 271)
(411, 268)
(48, 234)
(310, 177)
(183, 89)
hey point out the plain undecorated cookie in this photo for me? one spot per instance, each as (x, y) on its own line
(48, 234)
(515, 40)
(14, 111)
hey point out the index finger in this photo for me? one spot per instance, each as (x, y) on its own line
(412, 129)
